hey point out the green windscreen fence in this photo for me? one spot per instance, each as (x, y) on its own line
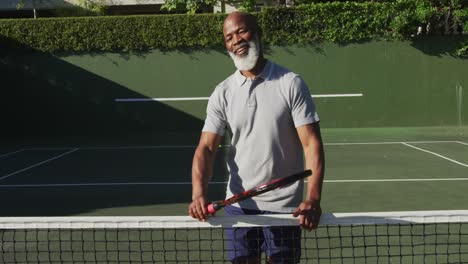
(371, 84)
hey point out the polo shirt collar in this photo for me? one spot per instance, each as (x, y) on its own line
(265, 74)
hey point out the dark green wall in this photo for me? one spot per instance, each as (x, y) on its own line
(403, 83)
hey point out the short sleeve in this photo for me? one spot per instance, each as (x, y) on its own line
(302, 106)
(215, 121)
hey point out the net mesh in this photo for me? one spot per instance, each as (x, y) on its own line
(398, 237)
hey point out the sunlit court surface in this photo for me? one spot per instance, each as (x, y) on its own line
(420, 176)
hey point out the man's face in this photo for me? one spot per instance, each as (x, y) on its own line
(237, 34)
(242, 42)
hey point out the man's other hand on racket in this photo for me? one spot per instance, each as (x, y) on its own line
(197, 208)
(202, 171)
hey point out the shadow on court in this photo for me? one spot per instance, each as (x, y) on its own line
(63, 201)
(49, 102)
(47, 191)
(122, 182)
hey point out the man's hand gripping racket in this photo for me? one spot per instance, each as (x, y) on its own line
(277, 183)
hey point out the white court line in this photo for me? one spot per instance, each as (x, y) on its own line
(436, 154)
(11, 153)
(169, 99)
(37, 164)
(463, 143)
(162, 99)
(100, 184)
(398, 180)
(224, 146)
(122, 147)
(389, 142)
(337, 95)
(215, 183)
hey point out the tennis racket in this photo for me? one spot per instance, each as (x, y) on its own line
(277, 183)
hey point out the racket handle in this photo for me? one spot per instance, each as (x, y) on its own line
(213, 207)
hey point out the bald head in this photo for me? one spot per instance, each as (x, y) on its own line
(236, 18)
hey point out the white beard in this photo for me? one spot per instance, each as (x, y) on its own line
(249, 61)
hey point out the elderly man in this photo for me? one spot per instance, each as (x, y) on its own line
(274, 130)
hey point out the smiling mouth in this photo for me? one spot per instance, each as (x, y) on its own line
(242, 49)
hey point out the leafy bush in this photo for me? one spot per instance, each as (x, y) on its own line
(340, 22)
(125, 33)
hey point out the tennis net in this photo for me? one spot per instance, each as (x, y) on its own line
(396, 237)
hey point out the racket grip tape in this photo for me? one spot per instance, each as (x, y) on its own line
(213, 207)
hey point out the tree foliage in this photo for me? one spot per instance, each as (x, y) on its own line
(80, 7)
(192, 6)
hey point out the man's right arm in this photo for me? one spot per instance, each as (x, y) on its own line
(202, 170)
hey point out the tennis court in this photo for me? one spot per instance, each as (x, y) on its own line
(394, 169)
(368, 170)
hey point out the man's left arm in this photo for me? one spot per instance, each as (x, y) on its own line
(309, 210)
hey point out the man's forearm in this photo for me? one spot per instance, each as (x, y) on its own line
(315, 161)
(202, 170)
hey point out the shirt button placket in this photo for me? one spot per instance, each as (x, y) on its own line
(252, 98)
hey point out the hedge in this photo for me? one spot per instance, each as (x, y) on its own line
(119, 33)
(340, 22)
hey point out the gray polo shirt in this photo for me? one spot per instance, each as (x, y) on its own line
(262, 116)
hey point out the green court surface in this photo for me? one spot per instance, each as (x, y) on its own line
(367, 169)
